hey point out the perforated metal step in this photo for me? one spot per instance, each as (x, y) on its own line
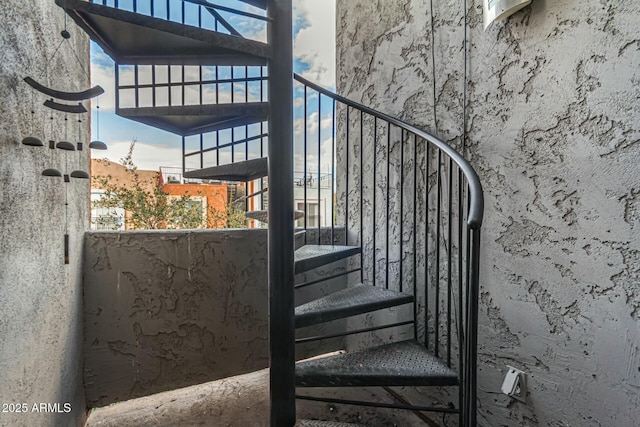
(309, 257)
(315, 423)
(247, 170)
(263, 216)
(405, 363)
(188, 120)
(133, 38)
(348, 302)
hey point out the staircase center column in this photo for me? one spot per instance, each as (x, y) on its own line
(281, 244)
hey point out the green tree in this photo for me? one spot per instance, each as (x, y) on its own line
(148, 206)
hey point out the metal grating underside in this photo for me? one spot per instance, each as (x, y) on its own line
(263, 216)
(348, 302)
(262, 4)
(315, 423)
(247, 170)
(133, 38)
(405, 363)
(309, 257)
(188, 120)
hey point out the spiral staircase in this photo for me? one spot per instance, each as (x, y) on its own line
(231, 97)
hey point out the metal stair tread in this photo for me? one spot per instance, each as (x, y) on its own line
(263, 215)
(134, 38)
(317, 423)
(246, 170)
(186, 120)
(347, 302)
(404, 363)
(309, 257)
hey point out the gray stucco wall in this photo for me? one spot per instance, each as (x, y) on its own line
(167, 309)
(40, 296)
(553, 131)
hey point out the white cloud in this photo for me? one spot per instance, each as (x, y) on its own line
(146, 156)
(103, 75)
(312, 124)
(315, 44)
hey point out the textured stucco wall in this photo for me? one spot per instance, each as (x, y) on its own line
(40, 297)
(553, 131)
(168, 309)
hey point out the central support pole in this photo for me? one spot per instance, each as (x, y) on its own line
(281, 267)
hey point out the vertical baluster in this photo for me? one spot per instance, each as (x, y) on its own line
(460, 317)
(153, 85)
(333, 168)
(304, 171)
(135, 6)
(184, 149)
(217, 148)
(200, 88)
(117, 84)
(346, 204)
(449, 262)
(182, 10)
(233, 145)
(168, 12)
(217, 86)
(261, 138)
(361, 199)
(136, 90)
(169, 87)
(401, 210)
(201, 151)
(232, 85)
(319, 163)
(437, 287)
(472, 333)
(184, 85)
(415, 237)
(386, 282)
(373, 217)
(152, 7)
(427, 161)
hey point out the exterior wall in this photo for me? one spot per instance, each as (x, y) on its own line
(104, 167)
(119, 174)
(40, 296)
(553, 131)
(168, 309)
(215, 199)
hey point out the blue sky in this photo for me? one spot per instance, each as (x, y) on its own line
(314, 51)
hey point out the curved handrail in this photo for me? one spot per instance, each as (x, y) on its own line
(476, 207)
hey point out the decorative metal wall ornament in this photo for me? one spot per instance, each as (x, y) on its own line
(65, 144)
(51, 172)
(32, 141)
(97, 144)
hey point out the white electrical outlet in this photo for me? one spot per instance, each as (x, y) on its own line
(515, 384)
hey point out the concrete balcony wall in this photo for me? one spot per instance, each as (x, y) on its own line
(168, 309)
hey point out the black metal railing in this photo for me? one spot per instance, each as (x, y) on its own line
(177, 85)
(415, 206)
(200, 13)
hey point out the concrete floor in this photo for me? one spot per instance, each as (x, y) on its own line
(242, 401)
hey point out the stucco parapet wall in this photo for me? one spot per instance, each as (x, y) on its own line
(170, 308)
